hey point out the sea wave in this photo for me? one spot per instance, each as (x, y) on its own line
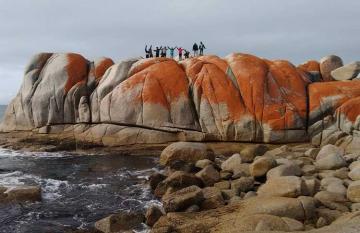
(12, 153)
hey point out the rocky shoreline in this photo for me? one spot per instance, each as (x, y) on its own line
(286, 189)
(267, 188)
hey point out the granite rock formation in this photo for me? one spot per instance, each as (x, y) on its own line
(237, 98)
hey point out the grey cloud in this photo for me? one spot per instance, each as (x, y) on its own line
(297, 30)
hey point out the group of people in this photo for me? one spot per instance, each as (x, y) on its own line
(162, 51)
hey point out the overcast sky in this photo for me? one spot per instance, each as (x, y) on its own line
(297, 30)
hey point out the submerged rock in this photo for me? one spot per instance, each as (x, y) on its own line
(20, 193)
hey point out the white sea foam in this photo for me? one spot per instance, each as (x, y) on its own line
(93, 187)
(14, 178)
(11, 153)
(50, 187)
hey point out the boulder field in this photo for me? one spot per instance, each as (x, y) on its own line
(290, 188)
(237, 98)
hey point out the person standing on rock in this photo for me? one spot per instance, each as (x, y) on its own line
(157, 51)
(148, 52)
(186, 54)
(180, 51)
(201, 48)
(196, 49)
(163, 51)
(172, 49)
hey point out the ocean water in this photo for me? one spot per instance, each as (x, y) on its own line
(2, 111)
(76, 190)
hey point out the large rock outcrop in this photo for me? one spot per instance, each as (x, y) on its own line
(238, 98)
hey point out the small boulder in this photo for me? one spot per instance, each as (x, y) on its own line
(177, 181)
(328, 64)
(346, 72)
(244, 184)
(336, 188)
(212, 198)
(152, 215)
(354, 165)
(326, 196)
(182, 199)
(283, 186)
(330, 200)
(342, 173)
(222, 185)
(232, 163)
(250, 152)
(330, 180)
(186, 151)
(209, 175)
(243, 170)
(353, 191)
(155, 179)
(203, 163)
(284, 170)
(354, 174)
(119, 222)
(228, 193)
(225, 175)
(330, 157)
(261, 166)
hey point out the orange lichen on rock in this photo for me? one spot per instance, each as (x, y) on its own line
(350, 109)
(310, 66)
(77, 70)
(327, 97)
(250, 73)
(144, 63)
(210, 82)
(285, 96)
(220, 63)
(163, 82)
(273, 91)
(101, 66)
